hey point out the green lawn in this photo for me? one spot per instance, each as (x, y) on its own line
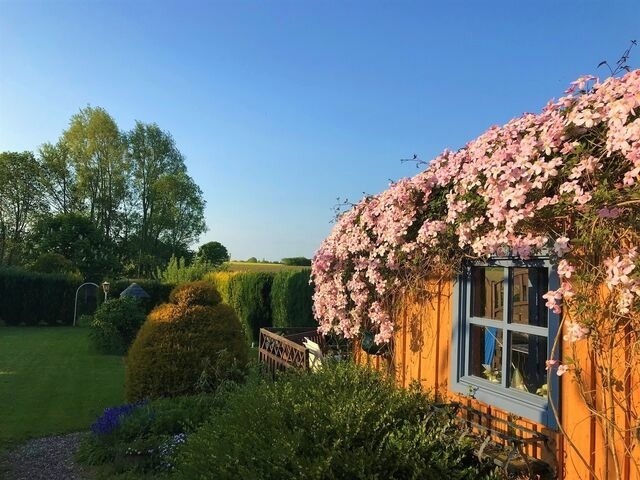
(260, 267)
(50, 382)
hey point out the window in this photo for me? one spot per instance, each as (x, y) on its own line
(503, 334)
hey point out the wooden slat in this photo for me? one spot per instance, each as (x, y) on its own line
(425, 322)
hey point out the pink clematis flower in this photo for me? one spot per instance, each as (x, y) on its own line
(561, 246)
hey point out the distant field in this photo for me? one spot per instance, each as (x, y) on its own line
(260, 267)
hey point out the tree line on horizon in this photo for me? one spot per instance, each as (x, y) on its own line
(108, 202)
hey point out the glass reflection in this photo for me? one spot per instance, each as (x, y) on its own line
(485, 358)
(527, 356)
(527, 287)
(487, 292)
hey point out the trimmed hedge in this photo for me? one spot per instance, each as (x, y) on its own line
(222, 282)
(291, 299)
(250, 297)
(265, 299)
(30, 298)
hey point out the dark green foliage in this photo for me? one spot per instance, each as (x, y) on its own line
(250, 297)
(31, 298)
(264, 299)
(252, 260)
(344, 422)
(184, 348)
(75, 237)
(54, 263)
(158, 292)
(115, 325)
(291, 300)
(214, 253)
(145, 439)
(297, 261)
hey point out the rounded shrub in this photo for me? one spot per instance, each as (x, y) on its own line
(195, 293)
(115, 324)
(186, 346)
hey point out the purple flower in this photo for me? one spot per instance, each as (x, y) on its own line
(111, 417)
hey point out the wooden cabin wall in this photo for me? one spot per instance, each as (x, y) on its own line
(421, 352)
(584, 432)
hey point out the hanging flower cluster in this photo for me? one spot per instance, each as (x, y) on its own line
(550, 183)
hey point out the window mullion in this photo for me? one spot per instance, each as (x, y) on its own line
(467, 326)
(505, 320)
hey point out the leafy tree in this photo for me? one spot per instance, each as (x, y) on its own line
(76, 238)
(181, 210)
(20, 204)
(96, 148)
(252, 260)
(59, 182)
(214, 253)
(153, 156)
(133, 188)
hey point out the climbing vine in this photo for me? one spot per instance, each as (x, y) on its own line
(563, 183)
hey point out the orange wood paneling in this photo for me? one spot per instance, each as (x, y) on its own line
(421, 352)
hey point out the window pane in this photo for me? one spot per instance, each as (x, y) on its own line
(529, 284)
(487, 292)
(527, 358)
(485, 352)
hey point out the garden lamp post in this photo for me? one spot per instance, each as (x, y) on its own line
(105, 289)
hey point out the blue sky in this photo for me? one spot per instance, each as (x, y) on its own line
(282, 106)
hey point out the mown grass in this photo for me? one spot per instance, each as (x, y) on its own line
(51, 383)
(260, 267)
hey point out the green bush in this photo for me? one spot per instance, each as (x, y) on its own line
(185, 347)
(84, 320)
(178, 271)
(115, 325)
(32, 298)
(343, 422)
(143, 438)
(291, 299)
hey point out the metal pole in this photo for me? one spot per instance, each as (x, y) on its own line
(75, 305)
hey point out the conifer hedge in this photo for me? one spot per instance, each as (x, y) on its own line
(262, 299)
(31, 298)
(291, 299)
(28, 298)
(250, 297)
